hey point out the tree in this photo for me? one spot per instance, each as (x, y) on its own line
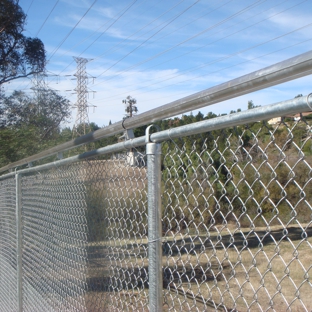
(199, 116)
(47, 114)
(131, 108)
(28, 126)
(20, 56)
(251, 105)
(211, 115)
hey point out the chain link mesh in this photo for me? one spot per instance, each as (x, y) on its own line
(54, 231)
(8, 269)
(237, 220)
(237, 226)
(117, 218)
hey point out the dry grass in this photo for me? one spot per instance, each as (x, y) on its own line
(218, 277)
(216, 273)
(250, 279)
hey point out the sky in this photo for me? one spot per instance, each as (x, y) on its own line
(158, 51)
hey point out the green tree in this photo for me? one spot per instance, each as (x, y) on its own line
(20, 56)
(211, 115)
(46, 114)
(251, 105)
(28, 126)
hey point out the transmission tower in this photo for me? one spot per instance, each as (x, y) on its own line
(39, 86)
(82, 125)
(1, 92)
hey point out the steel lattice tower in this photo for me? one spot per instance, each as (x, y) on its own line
(39, 86)
(82, 125)
(1, 92)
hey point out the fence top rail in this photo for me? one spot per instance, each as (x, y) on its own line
(286, 70)
(292, 106)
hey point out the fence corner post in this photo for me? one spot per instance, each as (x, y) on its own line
(153, 152)
(19, 278)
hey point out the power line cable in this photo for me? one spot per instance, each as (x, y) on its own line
(241, 51)
(137, 47)
(47, 17)
(155, 19)
(114, 22)
(236, 53)
(210, 43)
(29, 6)
(216, 71)
(86, 38)
(118, 18)
(216, 61)
(179, 44)
(244, 62)
(196, 19)
(65, 38)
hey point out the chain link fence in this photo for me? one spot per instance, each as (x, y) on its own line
(54, 239)
(236, 226)
(237, 219)
(116, 195)
(8, 267)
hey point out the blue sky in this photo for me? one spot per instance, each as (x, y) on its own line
(160, 51)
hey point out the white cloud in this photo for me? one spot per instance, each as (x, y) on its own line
(78, 4)
(288, 20)
(106, 12)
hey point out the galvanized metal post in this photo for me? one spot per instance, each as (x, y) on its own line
(153, 151)
(19, 242)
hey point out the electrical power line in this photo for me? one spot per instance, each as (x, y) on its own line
(115, 20)
(171, 47)
(219, 60)
(137, 47)
(132, 34)
(29, 7)
(177, 45)
(65, 38)
(145, 26)
(47, 17)
(185, 93)
(93, 33)
(213, 42)
(192, 69)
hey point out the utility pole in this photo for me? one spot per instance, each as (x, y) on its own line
(82, 125)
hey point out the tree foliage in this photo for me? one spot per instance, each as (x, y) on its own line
(29, 124)
(236, 172)
(251, 105)
(20, 56)
(45, 113)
